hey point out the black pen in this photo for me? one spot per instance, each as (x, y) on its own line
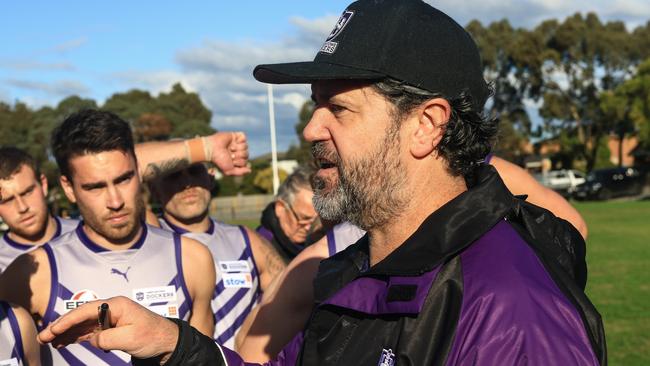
(103, 316)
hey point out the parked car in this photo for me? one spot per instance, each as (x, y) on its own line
(604, 184)
(563, 181)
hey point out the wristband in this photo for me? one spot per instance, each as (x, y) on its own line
(197, 150)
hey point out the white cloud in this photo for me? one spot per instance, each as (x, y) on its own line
(237, 122)
(312, 32)
(60, 88)
(69, 45)
(37, 66)
(220, 71)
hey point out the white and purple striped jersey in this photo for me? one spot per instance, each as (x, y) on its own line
(10, 249)
(342, 236)
(237, 288)
(150, 273)
(12, 352)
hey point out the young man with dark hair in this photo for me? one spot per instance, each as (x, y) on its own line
(23, 189)
(454, 270)
(245, 263)
(111, 252)
(23, 206)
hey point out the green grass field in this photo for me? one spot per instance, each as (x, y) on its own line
(618, 256)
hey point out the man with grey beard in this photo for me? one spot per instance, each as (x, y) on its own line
(454, 269)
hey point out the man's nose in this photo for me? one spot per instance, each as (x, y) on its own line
(316, 129)
(114, 200)
(21, 205)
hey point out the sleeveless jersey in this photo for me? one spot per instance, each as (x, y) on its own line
(342, 236)
(237, 288)
(11, 344)
(10, 249)
(150, 273)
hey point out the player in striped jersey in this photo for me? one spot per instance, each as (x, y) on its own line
(18, 345)
(245, 263)
(112, 252)
(23, 189)
(266, 331)
(23, 206)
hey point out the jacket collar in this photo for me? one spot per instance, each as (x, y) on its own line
(441, 236)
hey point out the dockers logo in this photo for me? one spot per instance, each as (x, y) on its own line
(79, 298)
(330, 45)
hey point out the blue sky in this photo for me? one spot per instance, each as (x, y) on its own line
(93, 49)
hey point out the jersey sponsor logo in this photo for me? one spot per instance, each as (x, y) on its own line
(387, 358)
(79, 298)
(234, 266)
(9, 362)
(150, 295)
(120, 273)
(237, 280)
(161, 300)
(168, 311)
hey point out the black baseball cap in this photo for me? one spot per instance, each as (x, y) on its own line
(407, 40)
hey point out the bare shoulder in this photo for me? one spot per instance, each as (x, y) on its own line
(195, 251)
(259, 245)
(25, 320)
(26, 281)
(254, 236)
(198, 269)
(317, 250)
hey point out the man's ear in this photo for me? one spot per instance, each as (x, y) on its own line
(279, 208)
(44, 187)
(432, 117)
(67, 189)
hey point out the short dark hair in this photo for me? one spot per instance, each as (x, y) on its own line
(12, 159)
(90, 131)
(469, 134)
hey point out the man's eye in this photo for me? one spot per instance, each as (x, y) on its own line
(336, 108)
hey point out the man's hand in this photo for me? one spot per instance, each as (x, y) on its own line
(229, 152)
(134, 329)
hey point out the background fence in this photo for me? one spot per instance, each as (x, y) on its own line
(241, 207)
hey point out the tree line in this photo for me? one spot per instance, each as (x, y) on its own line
(585, 77)
(175, 114)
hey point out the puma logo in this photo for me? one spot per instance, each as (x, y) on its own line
(123, 274)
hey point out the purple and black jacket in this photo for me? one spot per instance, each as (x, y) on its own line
(487, 279)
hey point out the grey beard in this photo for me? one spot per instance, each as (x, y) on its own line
(369, 192)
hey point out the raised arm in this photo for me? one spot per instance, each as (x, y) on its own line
(519, 181)
(227, 150)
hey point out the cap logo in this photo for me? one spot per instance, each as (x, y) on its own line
(330, 46)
